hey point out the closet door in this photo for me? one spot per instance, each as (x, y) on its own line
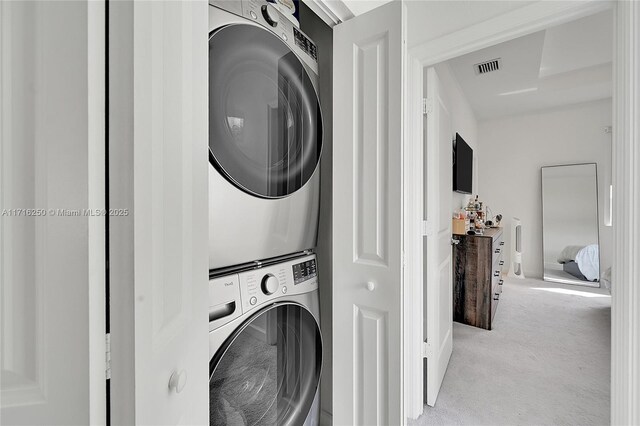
(367, 218)
(158, 253)
(52, 255)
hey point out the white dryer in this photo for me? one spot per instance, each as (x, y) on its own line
(265, 346)
(265, 135)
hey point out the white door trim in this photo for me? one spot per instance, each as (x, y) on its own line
(331, 12)
(625, 356)
(519, 22)
(413, 188)
(625, 301)
(96, 88)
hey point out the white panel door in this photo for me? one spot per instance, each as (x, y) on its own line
(438, 271)
(52, 254)
(367, 219)
(159, 254)
(170, 218)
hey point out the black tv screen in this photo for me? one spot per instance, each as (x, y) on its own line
(462, 166)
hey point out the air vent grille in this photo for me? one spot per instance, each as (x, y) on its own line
(487, 66)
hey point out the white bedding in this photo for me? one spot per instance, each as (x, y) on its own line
(587, 258)
(569, 253)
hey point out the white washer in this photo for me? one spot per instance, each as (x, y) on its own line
(265, 345)
(265, 135)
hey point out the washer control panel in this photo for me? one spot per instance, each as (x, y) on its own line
(235, 294)
(272, 282)
(304, 271)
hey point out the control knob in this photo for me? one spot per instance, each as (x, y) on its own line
(270, 284)
(270, 14)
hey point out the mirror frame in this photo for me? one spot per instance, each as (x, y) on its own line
(575, 281)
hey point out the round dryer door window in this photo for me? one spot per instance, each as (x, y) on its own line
(265, 125)
(267, 372)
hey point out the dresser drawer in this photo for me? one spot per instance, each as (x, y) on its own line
(477, 269)
(496, 284)
(494, 307)
(497, 248)
(496, 268)
(496, 293)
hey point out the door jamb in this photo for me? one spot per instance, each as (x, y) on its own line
(412, 270)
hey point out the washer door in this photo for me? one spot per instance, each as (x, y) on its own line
(268, 371)
(265, 126)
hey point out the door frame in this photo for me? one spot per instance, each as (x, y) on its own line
(625, 344)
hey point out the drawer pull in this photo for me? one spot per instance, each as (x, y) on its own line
(501, 243)
(497, 250)
(501, 262)
(496, 273)
(496, 296)
(500, 282)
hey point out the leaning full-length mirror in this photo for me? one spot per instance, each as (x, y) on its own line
(570, 224)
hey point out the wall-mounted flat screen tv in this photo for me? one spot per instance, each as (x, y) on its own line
(462, 166)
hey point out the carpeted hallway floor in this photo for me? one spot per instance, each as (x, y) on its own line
(545, 363)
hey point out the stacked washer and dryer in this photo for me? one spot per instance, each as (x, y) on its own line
(265, 143)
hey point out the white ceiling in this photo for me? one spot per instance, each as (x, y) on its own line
(358, 7)
(564, 65)
(430, 19)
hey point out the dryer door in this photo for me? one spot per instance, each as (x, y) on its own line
(267, 372)
(265, 127)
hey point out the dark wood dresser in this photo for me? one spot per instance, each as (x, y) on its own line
(477, 280)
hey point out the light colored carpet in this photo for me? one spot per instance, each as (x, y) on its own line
(547, 361)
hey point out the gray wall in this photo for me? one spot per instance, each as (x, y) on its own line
(463, 121)
(514, 149)
(322, 35)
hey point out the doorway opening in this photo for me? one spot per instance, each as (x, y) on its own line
(546, 101)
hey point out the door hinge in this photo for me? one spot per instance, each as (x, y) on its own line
(427, 350)
(427, 228)
(107, 368)
(427, 105)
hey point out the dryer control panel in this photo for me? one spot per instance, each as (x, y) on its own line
(266, 14)
(236, 294)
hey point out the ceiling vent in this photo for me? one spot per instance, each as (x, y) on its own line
(487, 66)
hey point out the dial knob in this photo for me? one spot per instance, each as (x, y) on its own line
(269, 284)
(270, 15)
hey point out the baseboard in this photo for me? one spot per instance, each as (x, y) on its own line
(326, 418)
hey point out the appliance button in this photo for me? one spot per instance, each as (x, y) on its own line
(253, 300)
(284, 290)
(253, 15)
(270, 15)
(284, 36)
(270, 284)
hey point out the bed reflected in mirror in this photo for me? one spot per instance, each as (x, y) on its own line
(570, 224)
